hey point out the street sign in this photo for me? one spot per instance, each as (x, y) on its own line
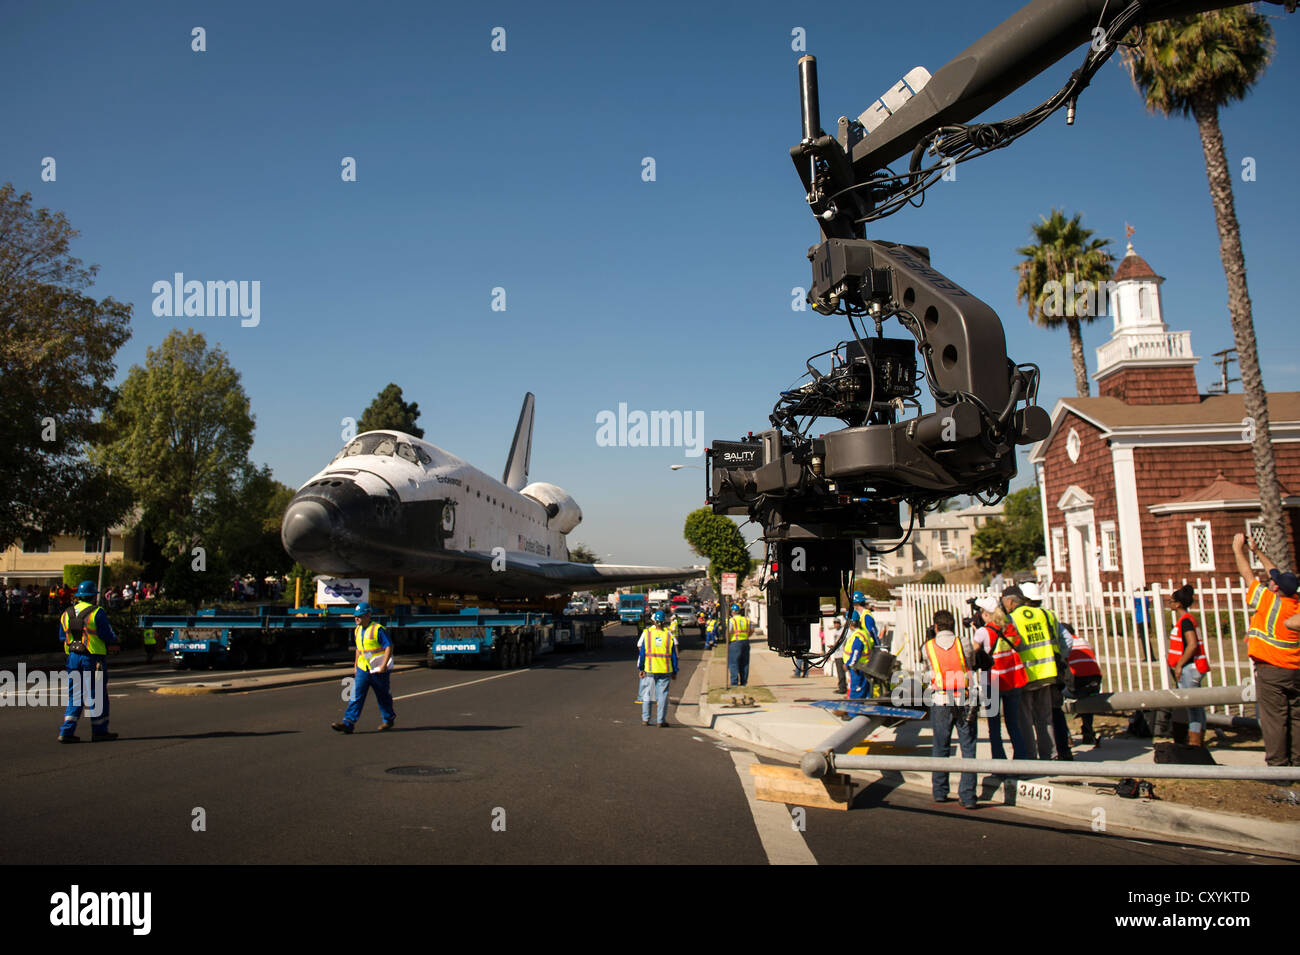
(728, 585)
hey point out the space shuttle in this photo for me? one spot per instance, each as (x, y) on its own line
(391, 505)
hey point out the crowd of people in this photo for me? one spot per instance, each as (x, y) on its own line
(30, 600)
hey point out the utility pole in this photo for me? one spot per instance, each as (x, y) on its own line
(1223, 359)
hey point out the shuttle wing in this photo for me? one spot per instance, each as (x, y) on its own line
(570, 575)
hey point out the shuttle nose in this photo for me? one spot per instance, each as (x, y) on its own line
(307, 528)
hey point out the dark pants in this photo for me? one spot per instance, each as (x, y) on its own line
(738, 662)
(1060, 728)
(1277, 695)
(1084, 687)
(942, 719)
(1009, 706)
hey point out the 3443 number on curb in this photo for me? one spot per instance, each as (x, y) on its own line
(1033, 792)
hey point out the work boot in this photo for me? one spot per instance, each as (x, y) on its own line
(69, 738)
(388, 724)
(103, 737)
(1196, 739)
(1089, 738)
(341, 727)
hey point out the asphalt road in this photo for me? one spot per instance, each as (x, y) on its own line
(545, 765)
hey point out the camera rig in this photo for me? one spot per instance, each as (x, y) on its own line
(815, 494)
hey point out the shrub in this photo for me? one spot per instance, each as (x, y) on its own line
(875, 589)
(932, 577)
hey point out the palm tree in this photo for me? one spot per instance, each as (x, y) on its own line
(1064, 255)
(1194, 66)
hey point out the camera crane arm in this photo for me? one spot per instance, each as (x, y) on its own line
(841, 176)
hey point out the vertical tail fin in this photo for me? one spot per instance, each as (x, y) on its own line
(521, 449)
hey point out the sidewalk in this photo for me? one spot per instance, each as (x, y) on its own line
(790, 724)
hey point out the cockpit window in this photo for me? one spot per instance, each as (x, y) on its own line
(407, 452)
(369, 444)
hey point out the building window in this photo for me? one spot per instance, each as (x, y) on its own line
(1073, 444)
(1200, 545)
(91, 545)
(32, 548)
(1255, 537)
(1058, 548)
(1109, 547)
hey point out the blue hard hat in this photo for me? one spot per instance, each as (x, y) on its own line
(86, 589)
(363, 608)
(658, 617)
(859, 597)
(735, 608)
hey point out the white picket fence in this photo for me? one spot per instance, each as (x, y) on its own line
(1108, 621)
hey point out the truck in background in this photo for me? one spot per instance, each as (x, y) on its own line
(632, 609)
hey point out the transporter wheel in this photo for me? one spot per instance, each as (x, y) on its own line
(530, 652)
(237, 656)
(275, 655)
(256, 654)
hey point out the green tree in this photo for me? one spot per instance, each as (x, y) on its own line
(56, 361)
(1194, 66)
(582, 554)
(388, 412)
(1064, 250)
(247, 519)
(179, 435)
(1014, 541)
(718, 538)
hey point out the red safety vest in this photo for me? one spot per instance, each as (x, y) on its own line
(1082, 662)
(1007, 665)
(1176, 647)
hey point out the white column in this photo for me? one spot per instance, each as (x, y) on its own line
(1047, 530)
(1130, 518)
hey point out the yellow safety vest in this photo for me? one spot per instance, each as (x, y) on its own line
(368, 645)
(867, 642)
(739, 628)
(1037, 648)
(90, 636)
(149, 638)
(674, 626)
(658, 650)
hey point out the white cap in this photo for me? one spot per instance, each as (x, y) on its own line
(1031, 591)
(989, 604)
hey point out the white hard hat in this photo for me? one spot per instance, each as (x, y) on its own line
(989, 604)
(1031, 591)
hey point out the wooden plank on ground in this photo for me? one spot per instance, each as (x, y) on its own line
(788, 784)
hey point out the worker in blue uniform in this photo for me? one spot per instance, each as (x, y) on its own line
(656, 665)
(858, 645)
(711, 633)
(88, 638)
(374, 663)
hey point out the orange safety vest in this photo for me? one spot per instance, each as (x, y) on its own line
(1007, 665)
(1083, 662)
(948, 666)
(1268, 640)
(1176, 647)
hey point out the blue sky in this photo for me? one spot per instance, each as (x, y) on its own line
(522, 170)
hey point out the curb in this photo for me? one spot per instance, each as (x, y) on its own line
(250, 683)
(1069, 799)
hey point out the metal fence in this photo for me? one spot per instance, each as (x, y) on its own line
(1129, 631)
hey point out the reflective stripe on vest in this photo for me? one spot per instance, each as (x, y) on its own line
(658, 650)
(1037, 649)
(859, 632)
(1176, 647)
(1268, 640)
(368, 646)
(739, 628)
(90, 635)
(1082, 662)
(1007, 665)
(948, 667)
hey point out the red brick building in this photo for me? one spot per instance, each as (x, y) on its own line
(1151, 480)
